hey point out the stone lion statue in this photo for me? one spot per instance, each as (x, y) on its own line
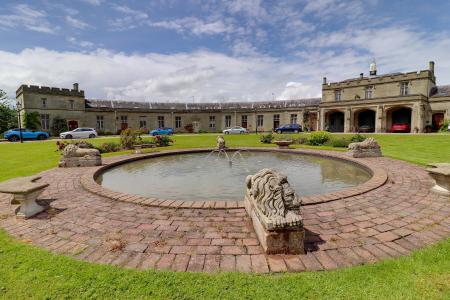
(72, 150)
(273, 197)
(74, 156)
(367, 148)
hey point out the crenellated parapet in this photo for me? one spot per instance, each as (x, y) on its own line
(45, 90)
(375, 80)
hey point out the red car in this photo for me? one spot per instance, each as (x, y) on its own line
(400, 127)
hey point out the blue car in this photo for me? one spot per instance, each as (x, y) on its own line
(13, 135)
(288, 128)
(161, 131)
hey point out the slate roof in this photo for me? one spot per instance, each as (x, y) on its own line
(440, 91)
(177, 106)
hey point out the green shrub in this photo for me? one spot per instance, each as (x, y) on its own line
(357, 138)
(58, 125)
(32, 120)
(281, 137)
(266, 138)
(318, 138)
(444, 126)
(130, 137)
(109, 147)
(202, 131)
(162, 141)
(339, 143)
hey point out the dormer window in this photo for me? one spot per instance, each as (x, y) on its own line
(369, 92)
(44, 102)
(404, 88)
(71, 104)
(337, 95)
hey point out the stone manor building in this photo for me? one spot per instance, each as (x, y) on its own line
(374, 101)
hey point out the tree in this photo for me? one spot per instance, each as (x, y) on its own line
(32, 120)
(8, 115)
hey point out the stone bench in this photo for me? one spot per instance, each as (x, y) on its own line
(25, 191)
(440, 172)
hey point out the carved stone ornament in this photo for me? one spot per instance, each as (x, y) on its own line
(275, 211)
(367, 148)
(74, 156)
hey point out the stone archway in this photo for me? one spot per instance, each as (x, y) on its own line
(335, 121)
(398, 115)
(364, 120)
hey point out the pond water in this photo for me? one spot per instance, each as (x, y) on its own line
(203, 177)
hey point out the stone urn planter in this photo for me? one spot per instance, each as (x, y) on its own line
(283, 144)
(440, 172)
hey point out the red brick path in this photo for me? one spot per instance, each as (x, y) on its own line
(400, 216)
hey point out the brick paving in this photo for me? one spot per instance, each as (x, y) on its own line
(392, 220)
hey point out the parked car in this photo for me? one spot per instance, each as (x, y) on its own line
(79, 133)
(13, 135)
(366, 128)
(400, 127)
(288, 128)
(161, 131)
(235, 130)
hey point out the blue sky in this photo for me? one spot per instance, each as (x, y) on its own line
(168, 50)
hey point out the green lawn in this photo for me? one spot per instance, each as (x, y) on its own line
(29, 272)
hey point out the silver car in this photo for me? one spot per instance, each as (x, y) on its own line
(235, 130)
(79, 133)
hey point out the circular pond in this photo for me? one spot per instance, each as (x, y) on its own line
(203, 176)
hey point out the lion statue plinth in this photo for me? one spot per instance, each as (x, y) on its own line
(275, 211)
(367, 148)
(74, 156)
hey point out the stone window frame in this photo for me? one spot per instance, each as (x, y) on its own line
(161, 122)
(100, 122)
(227, 120)
(337, 95)
(178, 122)
(244, 120)
(368, 92)
(71, 104)
(276, 120)
(212, 121)
(142, 122)
(45, 121)
(260, 120)
(294, 118)
(404, 88)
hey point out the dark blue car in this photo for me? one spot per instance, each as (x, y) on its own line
(13, 135)
(295, 128)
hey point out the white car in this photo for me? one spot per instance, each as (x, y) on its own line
(235, 130)
(79, 133)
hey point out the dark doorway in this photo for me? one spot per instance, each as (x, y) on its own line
(365, 121)
(72, 124)
(336, 121)
(437, 121)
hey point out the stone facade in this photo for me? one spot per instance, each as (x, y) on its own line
(375, 102)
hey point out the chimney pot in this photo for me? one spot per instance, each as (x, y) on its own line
(431, 66)
(75, 86)
(361, 75)
(324, 80)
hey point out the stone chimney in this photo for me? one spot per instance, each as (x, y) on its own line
(361, 75)
(324, 80)
(75, 86)
(431, 66)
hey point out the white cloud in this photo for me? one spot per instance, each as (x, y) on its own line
(130, 18)
(93, 2)
(195, 26)
(24, 16)
(77, 23)
(80, 43)
(138, 15)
